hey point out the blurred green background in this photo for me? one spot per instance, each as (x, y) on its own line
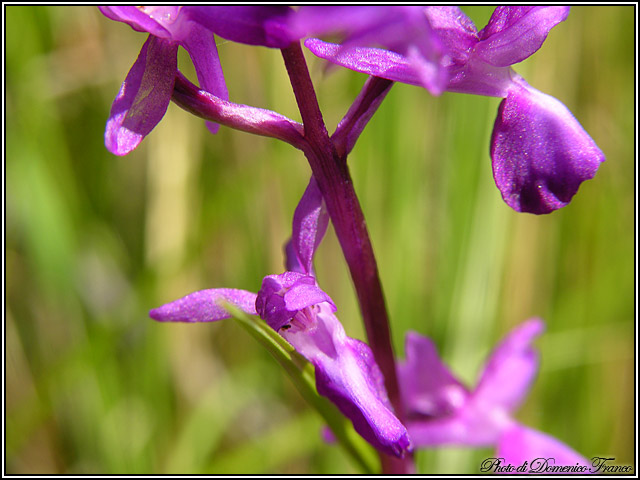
(94, 241)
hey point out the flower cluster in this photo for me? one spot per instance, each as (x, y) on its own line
(540, 156)
(540, 153)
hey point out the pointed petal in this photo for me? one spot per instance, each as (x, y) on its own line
(426, 384)
(379, 63)
(362, 109)
(292, 262)
(540, 153)
(144, 96)
(202, 49)
(515, 33)
(302, 296)
(519, 444)
(205, 306)
(391, 27)
(455, 30)
(403, 30)
(372, 61)
(466, 73)
(511, 368)
(253, 25)
(310, 222)
(431, 75)
(347, 374)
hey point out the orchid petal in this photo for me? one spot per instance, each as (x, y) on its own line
(480, 78)
(466, 74)
(202, 49)
(520, 444)
(382, 63)
(437, 432)
(455, 30)
(302, 296)
(205, 306)
(511, 368)
(515, 33)
(469, 427)
(369, 60)
(144, 96)
(253, 25)
(540, 153)
(282, 296)
(400, 30)
(474, 423)
(139, 20)
(391, 27)
(292, 262)
(429, 73)
(347, 374)
(320, 20)
(427, 385)
(310, 222)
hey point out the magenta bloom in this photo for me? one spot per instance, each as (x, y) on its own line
(442, 411)
(540, 152)
(146, 92)
(295, 306)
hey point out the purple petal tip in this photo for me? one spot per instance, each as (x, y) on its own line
(205, 306)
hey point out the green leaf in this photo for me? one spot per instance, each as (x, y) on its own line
(302, 374)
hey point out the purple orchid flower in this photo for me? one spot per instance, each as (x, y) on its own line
(295, 306)
(540, 153)
(146, 92)
(442, 411)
